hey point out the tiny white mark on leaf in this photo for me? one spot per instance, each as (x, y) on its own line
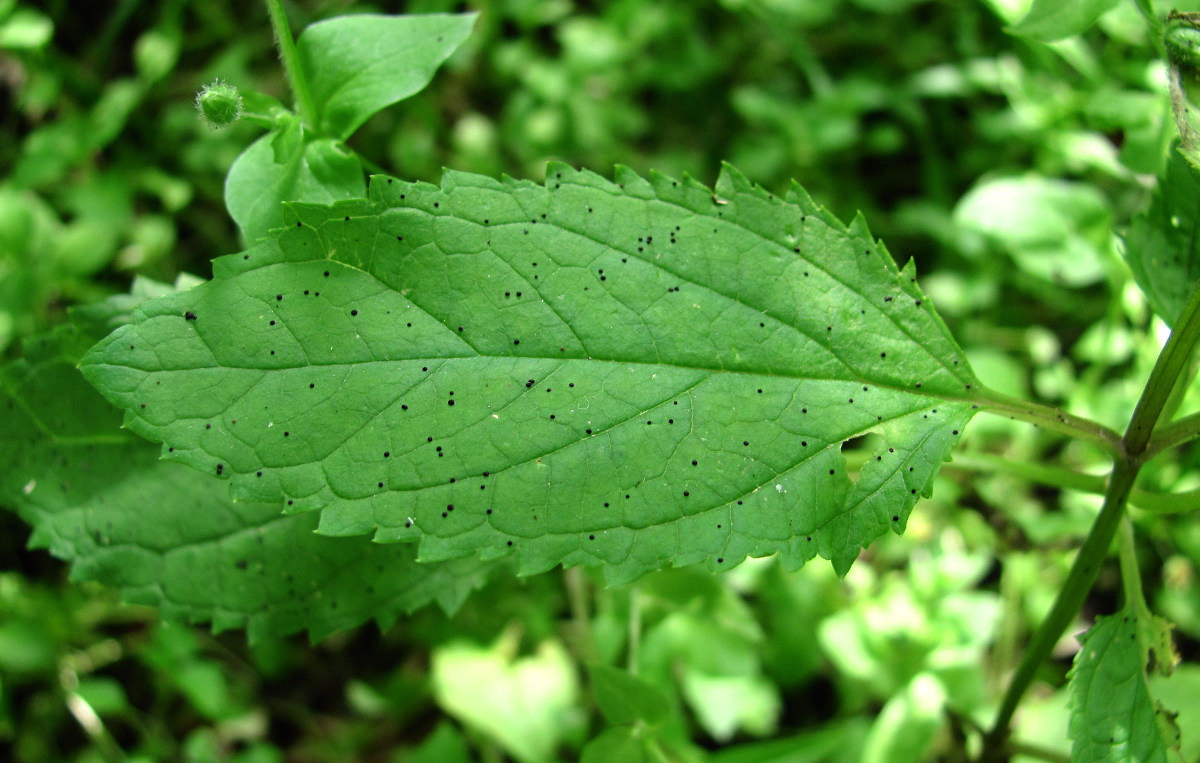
(29, 486)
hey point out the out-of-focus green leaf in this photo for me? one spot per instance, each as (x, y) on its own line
(905, 728)
(1163, 244)
(1052, 229)
(25, 29)
(623, 744)
(632, 374)
(834, 742)
(525, 704)
(1182, 691)
(1050, 20)
(624, 698)
(357, 65)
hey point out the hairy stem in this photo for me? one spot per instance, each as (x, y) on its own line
(291, 63)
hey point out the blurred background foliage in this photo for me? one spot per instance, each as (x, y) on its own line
(1009, 169)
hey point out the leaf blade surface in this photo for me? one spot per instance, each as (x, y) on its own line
(632, 373)
(168, 536)
(1113, 716)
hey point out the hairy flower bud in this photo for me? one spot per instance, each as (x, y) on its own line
(219, 104)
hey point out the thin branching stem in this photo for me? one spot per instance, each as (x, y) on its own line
(1130, 457)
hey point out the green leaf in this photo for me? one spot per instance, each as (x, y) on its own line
(1163, 244)
(1050, 20)
(618, 745)
(319, 170)
(1113, 717)
(357, 65)
(624, 698)
(168, 536)
(525, 704)
(1052, 229)
(630, 374)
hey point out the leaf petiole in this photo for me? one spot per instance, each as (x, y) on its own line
(1048, 417)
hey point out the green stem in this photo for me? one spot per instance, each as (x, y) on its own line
(1050, 418)
(1130, 456)
(1070, 598)
(635, 628)
(1170, 364)
(1157, 503)
(1172, 435)
(291, 63)
(578, 596)
(1131, 576)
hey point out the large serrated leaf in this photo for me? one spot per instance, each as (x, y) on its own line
(1113, 717)
(631, 374)
(168, 536)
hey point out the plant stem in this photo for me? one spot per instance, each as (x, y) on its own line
(1068, 602)
(291, 63)
(1170, 364)
(1157, 503)
(1131, 576)
(577, 595)
(1130, 456)
(1050, 418)
(1172, 435)
(635, 628)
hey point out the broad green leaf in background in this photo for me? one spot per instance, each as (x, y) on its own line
(1050, 20)
(624, 698)
(1163, 244)
(631, 374)
(526, 704)
(360, 64)
(908, 723)
(1113, 716)
(168, 536)
(1053, 229)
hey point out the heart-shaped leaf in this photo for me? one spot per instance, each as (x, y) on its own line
(632, 374)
